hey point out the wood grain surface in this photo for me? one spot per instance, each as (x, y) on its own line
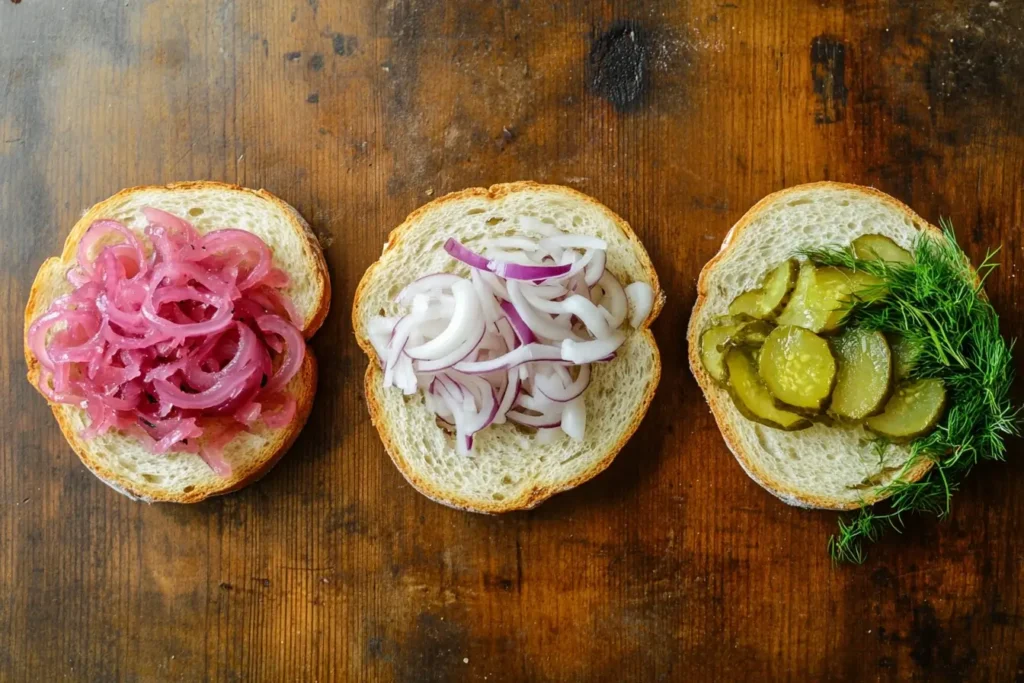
(672, 565)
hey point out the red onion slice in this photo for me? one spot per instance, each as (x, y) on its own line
(591, 351)
(465, 321)
(511, 393)
(456, 355)
(510, 271)
(595, 269)
(560, 393)
(425, 284)
(574, 419)
(522, 330)
(545, 421)
(540, 323)
(614, 300)
(524, 354)
(488, 304)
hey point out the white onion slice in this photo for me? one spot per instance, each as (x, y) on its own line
(540, 323)
(574, 419)
(559, 392)
(488, 304)
(524, 354)
(466, 320)
(595, 269)
(537, 225)
(457, 354)
(508, 398)
(427, 283)
(521, 243)
(573, 242)
(591, 351)
(614, 300)
(641, 301)
(545, 421)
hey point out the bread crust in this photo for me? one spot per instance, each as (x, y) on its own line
(305, 384)
(780, 489)
(373, 379)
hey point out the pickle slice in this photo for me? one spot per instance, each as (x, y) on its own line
(777, 287)
(798, 368)
(904, 356)
(748, 303)
(767, 301)
(864, 374)
(796, 311)
(880, 248)
(731, 331)
(914, 410)
(752, 397)
(821, 297)
(835, 289)
(713, 347)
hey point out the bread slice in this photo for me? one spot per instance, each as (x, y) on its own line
(508, 468)
(121, 460)
(824, 466)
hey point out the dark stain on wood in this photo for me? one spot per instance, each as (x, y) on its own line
(344, 46)
(316, 62)
(313, 98)
(293, 56)
(617, 65)
(436, 650)
(828, 75)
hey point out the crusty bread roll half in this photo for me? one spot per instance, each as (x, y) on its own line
(823, 466)
(509, 468)
(122, 461)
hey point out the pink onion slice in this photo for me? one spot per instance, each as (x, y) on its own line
(295, 350)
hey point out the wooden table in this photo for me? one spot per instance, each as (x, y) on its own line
(672, 565)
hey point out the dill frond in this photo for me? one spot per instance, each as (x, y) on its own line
(937, 304)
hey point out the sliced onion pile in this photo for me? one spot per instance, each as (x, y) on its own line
(157, 344)
(514, 341)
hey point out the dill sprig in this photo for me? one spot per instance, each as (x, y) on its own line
(937, 305)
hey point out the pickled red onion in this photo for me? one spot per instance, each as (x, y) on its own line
(158, 343)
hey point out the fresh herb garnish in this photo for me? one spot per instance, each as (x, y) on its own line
(937, 305)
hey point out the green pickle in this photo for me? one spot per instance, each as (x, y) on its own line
(914, 410)
(752, 397)
(864, 374)
(880, 248)
(798, 368)
(728, 332)
(768, 301)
